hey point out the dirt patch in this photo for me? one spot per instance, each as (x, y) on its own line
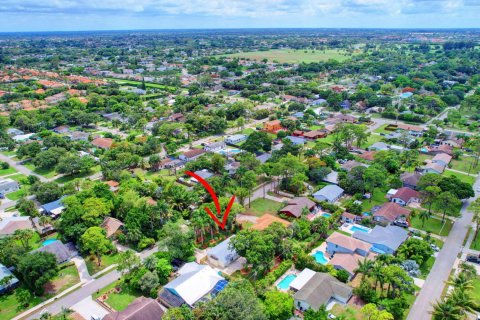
(55, 286)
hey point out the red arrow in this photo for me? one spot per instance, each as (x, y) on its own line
(215, 200)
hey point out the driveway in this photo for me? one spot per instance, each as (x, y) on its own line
(435, 282)
(88, 308)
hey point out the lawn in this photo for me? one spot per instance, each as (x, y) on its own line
(17, 194)
(463, 177)
(10, 170)
(432, 225)
(378, 199)
(475, 245)
(17, 177)
(426, 267)
(347, 312)
(147, 84)
(47, 173)
(292, 56)
(261, 206)
(66, 278)
(9, 305)
(118, 301)
(9, 153)
(107, 260)
(65, 179)
(476, 289)
(373, 138)
(464, 164)
(381, 129)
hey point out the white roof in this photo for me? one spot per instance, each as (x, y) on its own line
(302, 279)
(194, 282)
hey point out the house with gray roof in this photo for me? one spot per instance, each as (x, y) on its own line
(330, 193)
(378, 146)
(237, 138)
(319, 290)
(222, 255)
(10, 284)
(383, 239)
(296, 140)
(264, 157)
(62, 252)
(8, 185)
(53, 208)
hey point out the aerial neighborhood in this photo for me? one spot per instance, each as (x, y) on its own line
(353, 158)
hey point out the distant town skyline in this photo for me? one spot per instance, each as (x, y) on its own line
(76, 15)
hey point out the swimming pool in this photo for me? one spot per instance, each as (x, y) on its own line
(406, 95)
(357, 227)
(320, 257)
(326, 215)
(425, 150)
(285, 283)
(229, 151)
(48, 241)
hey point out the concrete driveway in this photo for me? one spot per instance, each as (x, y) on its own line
(88, 308)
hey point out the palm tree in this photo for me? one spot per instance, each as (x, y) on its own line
(364, 267)
(446, 311)
(424, 216)
(469, 270)
(461, 282)
(463, 299)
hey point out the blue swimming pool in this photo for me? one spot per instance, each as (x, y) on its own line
(406, 95)
(356, 228)
(424, 150)
(326, 215)
(230, 151)
(285, 283)
(367, 214)
(320, 257)
(48, 241)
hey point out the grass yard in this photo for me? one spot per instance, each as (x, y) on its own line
(475, 245)
(47, 173)
(18, 177)
(10, 170)
(293, 56)
(464, 164)
(107, 260)
(17, 194)
(426, 267)
(147, 84)
(463, 177)
(66, 278)
(9, 153)
(476, 289)
(373, 138)
(347, 312)
(65, 179)
(261, 206)
(433, 225)
(381, 129)
(118, 301)
(9, 305)
(378, 199)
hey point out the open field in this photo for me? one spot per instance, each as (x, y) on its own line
(261, 206)
(292, 56)
(465, 164)
(432, 225)
(118, 301)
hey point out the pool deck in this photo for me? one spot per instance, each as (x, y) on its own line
(290, 271)
(322, 248)
(346, 227)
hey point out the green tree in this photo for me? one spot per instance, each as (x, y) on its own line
(163, 269)
(128, 260)
(24, 297)
(424, 216)
(36, 269)
(429, 195)
(148, 282)
(94, 241)
(178, 238)
(180, 313)
(371, 312)
(320, 314)
(278, 305)
(446, 202)
(24, 236)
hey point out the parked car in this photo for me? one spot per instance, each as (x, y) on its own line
(473, 258)
(401, 223)
(434, 247)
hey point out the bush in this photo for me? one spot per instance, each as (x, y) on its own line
(270, 278)
(145, 243)
(4, 165)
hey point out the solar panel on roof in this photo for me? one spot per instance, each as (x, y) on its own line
(219, 287)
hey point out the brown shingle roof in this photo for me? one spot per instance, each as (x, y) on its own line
(406, 194)
(348, 242)
(296, 205)
(141, 308)
(410, 178)
(111, 225)
(104, 143)
(391, 211)
(267, 219)
(193, 153)
(369, 155)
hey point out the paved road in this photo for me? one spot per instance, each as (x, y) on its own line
(20, 168)
(435, 282)
(85, 291)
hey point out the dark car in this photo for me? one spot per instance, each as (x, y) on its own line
(473, 258)
(400, 223)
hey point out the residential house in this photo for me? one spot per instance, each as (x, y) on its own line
(61, 129)
(235, 139)
(296, 140)
(431, 167)
(302, 279)
(442, 159)
(314, 134)
(102, 143)
(330, 193)
(272, 126)
(266, 220)
(454, 142)
(298, 133)
(9, 225)
(177, 117)
(345, 104)
(232, 167)
(443, 148)
(63, 253)
(215, 146)
(141, 308)
(297, 205)
(348, 217)
(194, 282)
(405, 196)
(346, 118)
(413, 130)
(53, 209)
(319, 290)
(222, 255)
(338, 243)
(378, 146)
(383, 239)
(389, 212)
(204, 174)
(191, 155)
(78, 135)
(264, 157)
(113, 185)
(11, 283)
(8, 185)
(410, 179)
(368, 155)
(350, 164)
(111, 226)
(332, 177)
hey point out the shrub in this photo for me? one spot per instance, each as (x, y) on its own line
(270, 278)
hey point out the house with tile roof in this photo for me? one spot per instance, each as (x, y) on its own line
(9, 225)
(432, 167)
(296, 206)
(266, 220)
(340, 243)
(319, 290)
(111, 226)
(141, 308)
(404, 196)
(102, 143)
(442, 159)
(389, 212)
(191, 154)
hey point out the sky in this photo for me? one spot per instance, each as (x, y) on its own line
(73, 15)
